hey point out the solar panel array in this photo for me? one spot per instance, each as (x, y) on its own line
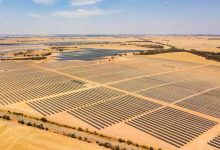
(125, 92)
(215, 142)
(73, 100)
(105, 114)
(207, 103)
(172, 126)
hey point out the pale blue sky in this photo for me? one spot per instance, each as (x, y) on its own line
(109, 16)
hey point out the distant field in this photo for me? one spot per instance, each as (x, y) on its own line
(182, 56)
(203, 43)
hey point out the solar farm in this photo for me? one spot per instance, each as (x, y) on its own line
(172, 104)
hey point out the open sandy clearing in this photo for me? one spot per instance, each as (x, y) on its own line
(21, 137)
(203, 43)
(182, 56)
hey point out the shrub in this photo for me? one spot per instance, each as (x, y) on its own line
(18, 114)
(40, 126)
(21, 121)
(6, 117)
(129, 142)
(145, 147)
(152, 46)
(107, 145)
(151, 148)
(72, 135)
(43, 119)
(80, 129)
(38, 58)
(121, 140)
(100, 144)
(29, 124)
(116, 148)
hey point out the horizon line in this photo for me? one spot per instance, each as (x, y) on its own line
(58, 34)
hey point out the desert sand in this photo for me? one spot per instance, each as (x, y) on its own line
(187, 57)
(19, 137)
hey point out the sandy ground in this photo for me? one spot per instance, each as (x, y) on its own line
(182, 56)
(204, 43)
(18, 137)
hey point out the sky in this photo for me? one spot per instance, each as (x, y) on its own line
(110, 17)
